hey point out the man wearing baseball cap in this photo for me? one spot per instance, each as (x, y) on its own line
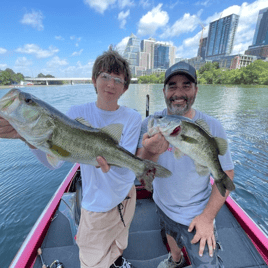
(186, 202)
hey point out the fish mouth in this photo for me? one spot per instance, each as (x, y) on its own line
(7, 101)
(176, 131)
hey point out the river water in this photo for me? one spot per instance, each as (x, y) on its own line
(26, 186)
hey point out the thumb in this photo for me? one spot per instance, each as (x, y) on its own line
(191, 227)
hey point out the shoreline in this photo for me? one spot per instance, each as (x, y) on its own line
(28, 86)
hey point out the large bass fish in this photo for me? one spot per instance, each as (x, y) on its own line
(194, 139)
(76, 141)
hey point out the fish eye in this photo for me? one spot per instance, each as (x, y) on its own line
(28, 101)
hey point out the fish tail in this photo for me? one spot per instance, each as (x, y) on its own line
(224, 184)
(151, 171)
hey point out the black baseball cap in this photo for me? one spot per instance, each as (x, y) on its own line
(181, 68)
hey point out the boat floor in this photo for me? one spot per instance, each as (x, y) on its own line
(146, 248)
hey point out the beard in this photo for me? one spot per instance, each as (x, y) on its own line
(179, 109)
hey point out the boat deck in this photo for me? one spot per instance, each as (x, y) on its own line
(146, 248)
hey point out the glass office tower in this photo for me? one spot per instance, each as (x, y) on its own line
(221, 36)
(261, 31)
(131, 52)
(161, 56)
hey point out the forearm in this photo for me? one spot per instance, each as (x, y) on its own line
(216, 200)
(214, 204)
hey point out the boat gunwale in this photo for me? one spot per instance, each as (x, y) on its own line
(253, 231)
(27, 253)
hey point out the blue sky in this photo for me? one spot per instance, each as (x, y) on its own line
(63, 38)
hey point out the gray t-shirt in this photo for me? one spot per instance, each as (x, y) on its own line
(185, 194)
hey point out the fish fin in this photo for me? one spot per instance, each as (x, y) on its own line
(203, 124)
(83, 121)
(152, 131)
(114, 130)
(150, 121)
(224, 184)
(52, 160)
(178, 153)
(58, 151)
(188, 139)
(201, 170)
(222, 145)
(151, 171)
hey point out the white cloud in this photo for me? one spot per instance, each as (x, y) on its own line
(3, 66)
(56, 62)
(120, 47)
(23, 62)
(186, 24)
(125, 3)
(76, 39)
(34, 19)
(99, 6)
(60, 38)
(174, 4)
(3, 50)
(79, 70)
(205, 3)
(122, 17)
(37, 51)
(152, 21)
(77, 53)
(144, 3)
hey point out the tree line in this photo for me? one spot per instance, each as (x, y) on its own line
(254, 74)
(9, 77)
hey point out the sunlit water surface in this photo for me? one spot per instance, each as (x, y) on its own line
(26, 186)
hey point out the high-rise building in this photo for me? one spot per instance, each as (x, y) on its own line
(261, 31)
(259, 46)
(221, 36)
(147, 46)
(161, 56)
(172, 55)
(131, 52)
(202, 48)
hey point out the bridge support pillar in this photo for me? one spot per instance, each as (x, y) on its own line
(47, 82)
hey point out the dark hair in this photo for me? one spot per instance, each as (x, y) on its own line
(112, 62)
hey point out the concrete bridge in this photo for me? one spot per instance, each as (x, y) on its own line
(47, 80)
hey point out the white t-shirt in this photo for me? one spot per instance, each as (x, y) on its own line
(104, 191)
(185, 194)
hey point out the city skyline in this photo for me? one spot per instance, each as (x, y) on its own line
(64, 40)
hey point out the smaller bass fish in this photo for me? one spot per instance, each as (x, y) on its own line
(62, 138)
(194, 139)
